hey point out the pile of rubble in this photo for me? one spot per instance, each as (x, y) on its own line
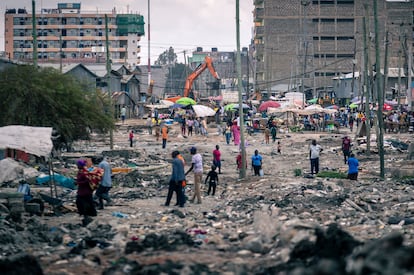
(276, 224)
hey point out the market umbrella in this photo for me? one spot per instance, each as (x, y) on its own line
(234, 106)
(244, 106)
(176, 105)
(203, 111)
(387, 107)
(186, 101)
(311, 109)
(329, 111)
(268, 104)
(353, 105)
(313, 100)
(166, 102)
(335, 107)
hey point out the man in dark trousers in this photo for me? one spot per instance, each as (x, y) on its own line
(314, 151)
(176, 180)
(106, 183)
(257, 162)
(212, 179)
(346, 148)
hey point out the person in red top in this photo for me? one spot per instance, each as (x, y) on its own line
(346, 148)
(217, 158)
(239, 161)
(131, 138)
(84, 199)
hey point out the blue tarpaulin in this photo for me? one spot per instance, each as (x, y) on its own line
(58, 179)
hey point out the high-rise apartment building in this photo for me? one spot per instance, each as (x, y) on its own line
(68, 35)
(312, 41)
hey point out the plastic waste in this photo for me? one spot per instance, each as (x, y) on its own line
(119, 214)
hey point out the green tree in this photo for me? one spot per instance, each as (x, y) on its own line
(168, 57)
(45, 97)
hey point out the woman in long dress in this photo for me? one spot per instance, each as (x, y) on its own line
(236, 133)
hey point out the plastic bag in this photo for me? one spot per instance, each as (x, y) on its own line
(261, 173)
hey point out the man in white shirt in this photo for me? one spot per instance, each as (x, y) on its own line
(197, 167)
(314, 151)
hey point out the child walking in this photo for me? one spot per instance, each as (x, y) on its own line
(212, 178)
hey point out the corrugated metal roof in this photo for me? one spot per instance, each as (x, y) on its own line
(66, 67)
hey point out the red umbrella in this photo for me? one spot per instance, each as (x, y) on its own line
(272, 104)
(333, 107)
(386, 107)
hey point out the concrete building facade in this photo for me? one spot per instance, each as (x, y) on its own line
(68, 35)
(225, 65)
(313, 41)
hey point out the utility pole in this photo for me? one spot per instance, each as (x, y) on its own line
(242, 174)
(367, 81)
(304, 3)
(248, 77)
(149, 53)
(380, 139)
(353, 69)
(399, 77)
(34, 33)
(409, 86)
(385, 80)
(108, 73)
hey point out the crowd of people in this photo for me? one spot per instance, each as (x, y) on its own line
(394, 120)
(90, 199)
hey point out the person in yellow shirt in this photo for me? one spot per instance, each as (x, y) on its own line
(164, 135)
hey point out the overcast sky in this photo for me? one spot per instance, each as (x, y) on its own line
(182, 24)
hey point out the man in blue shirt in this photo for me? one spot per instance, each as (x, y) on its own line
(257, 163)
(176, 180)
(106, 183)
(353, 167)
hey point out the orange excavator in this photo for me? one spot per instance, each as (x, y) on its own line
(208, 63)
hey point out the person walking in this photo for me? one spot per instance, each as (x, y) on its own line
(353, 165)
(177, 177)
(197, 167)
(190, 123)
(183, 126)
(267, 135)
(346, 148)
(131, 138)
(273, 132)
(212, 179)
(149, 125)
(84, 199)
(106, 183)
(314, 151)
(164, 135)
(227, 133)
(257, 162)
(236, 133)
(196, 126)
(123, 114)
(217, 158)
(157, 130)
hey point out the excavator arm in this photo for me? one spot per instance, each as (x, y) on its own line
(208, 63)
